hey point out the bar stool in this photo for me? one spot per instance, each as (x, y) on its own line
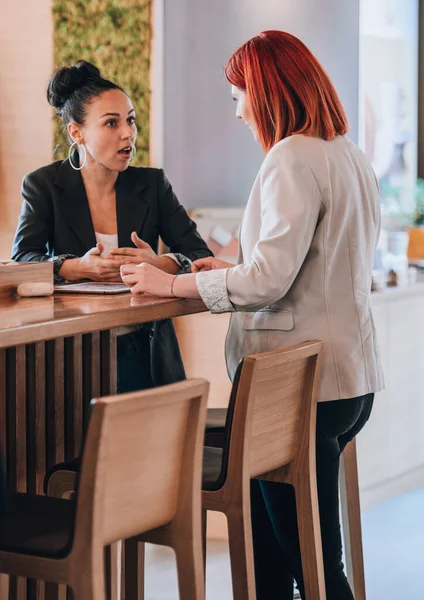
(141, 470)
(218, 428)
(217, 434)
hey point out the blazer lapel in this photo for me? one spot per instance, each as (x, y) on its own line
(74, 203)
(131, 210)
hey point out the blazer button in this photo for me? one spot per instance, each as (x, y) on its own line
(151, 333)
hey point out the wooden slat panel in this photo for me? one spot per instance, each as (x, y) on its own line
(16, 417)
(36, 435)
(108, 362)
(73, 397)
(55, 410)
(91, 371)
(55, 420)
(36, 416)
(16, 439)
(18, 589)
(35, 590)
(108, 382)
(3, 413)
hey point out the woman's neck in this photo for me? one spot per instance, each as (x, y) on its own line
(98, 181)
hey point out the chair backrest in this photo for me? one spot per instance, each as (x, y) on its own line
(275, 408)
(142, 459)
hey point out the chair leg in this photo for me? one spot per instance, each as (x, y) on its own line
(310, 536)
(134, 569)
(241, 552)
(351, 517)
(112, 571)
(190, 567)
(204, 538)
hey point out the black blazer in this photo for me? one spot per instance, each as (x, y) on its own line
(55, 219)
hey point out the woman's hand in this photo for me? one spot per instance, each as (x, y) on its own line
(143, 253)
(147, 279)
(209, 264)
(92, 266)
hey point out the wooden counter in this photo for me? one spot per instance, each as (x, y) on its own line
(29, 320)
(56, 354)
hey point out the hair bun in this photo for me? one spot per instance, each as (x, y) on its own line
(66, 80)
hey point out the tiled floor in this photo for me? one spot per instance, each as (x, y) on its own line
(393, 535)
(393, 547)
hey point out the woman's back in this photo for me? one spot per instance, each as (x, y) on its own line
(328, 295)
(349, 219)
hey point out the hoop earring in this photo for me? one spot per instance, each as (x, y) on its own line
(69, 156)
(133, 153)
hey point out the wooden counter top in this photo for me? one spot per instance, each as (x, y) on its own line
(28, 320)
(398, 293)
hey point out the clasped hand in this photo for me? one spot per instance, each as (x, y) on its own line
(98, 268)
(145, 278)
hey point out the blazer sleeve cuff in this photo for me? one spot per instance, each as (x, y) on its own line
(57, 263)
(212, 287)
(181, 260)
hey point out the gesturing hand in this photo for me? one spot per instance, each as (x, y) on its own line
(209, 264)
(145, 278)
(93, 266)
(143, 253)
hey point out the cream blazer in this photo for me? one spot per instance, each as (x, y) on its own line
(307, 244)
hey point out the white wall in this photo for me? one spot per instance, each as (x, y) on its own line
(210, 158)
(26, 50)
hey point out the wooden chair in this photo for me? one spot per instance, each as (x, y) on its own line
(141, 469)
(272, 438)
(270, 435)
(218, 430)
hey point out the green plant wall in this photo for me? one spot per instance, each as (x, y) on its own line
(115, 35)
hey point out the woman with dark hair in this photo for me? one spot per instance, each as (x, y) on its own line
(307, 244)
(93, 212)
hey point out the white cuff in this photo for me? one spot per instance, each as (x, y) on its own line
(212, 287)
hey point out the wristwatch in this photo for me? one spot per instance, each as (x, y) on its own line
(57, 263)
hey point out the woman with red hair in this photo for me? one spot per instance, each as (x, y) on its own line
(307, 244)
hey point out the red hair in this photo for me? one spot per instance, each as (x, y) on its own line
(288, 90)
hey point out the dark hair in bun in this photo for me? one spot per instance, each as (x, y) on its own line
(71, 89)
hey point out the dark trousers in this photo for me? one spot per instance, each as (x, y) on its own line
(148, 357)
(3, 489)
(133, 361)
(275, 533)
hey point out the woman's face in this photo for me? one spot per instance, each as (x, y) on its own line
(109, 131)
(244, 110)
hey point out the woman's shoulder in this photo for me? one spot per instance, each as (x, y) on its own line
(45, 173)
(314, 152)
(300, 144)
(292, 151)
